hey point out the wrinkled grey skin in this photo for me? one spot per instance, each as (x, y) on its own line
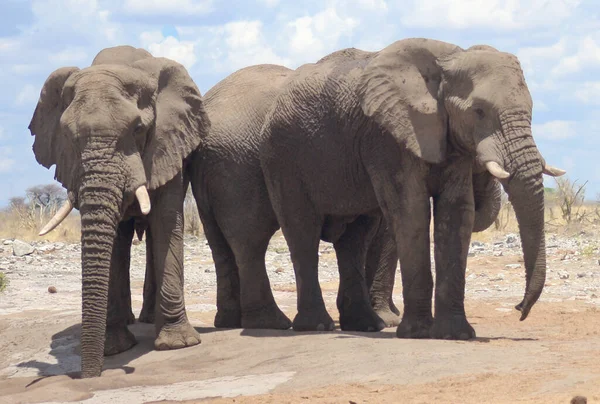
(392, 129)
(128, 120)
(234, 206)
(239, 221)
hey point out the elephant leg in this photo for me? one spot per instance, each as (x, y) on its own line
(118, 338)
(166, 224)
(148, 312)
(301, 227)
(403, 196)
(259, 309)
(229, 312)
(453, 224)
(382, 260)
(356, 313)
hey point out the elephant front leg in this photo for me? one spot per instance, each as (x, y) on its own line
(453, 224)
(166, 225)
(118, 338)
(356, 313)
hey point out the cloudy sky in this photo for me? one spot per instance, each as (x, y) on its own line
(557, 41)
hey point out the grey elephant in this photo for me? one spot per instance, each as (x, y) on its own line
(236, 213)
(239, 221)
(119, 133)
(392, 130)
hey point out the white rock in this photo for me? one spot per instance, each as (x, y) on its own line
(563, 274)
(512, 266)
(21, 248)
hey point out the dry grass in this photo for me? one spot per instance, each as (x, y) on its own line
(14, 227)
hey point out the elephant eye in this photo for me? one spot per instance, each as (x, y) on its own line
(138, 128)
(480, 113)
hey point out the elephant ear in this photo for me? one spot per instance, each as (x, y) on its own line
(399, 90)
(180, 123)
(50, 145)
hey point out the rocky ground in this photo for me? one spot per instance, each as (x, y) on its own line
(40, 310)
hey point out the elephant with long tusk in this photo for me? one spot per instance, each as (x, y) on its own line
(119, 133)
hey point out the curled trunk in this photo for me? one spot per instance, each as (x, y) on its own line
(488, 197)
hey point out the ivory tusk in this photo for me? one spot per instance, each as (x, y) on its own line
(553, 171)
(496, 170)
(143, 199)
(62, 213)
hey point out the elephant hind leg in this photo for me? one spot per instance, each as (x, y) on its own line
(229, 312)
(382, 260)
(356, 313)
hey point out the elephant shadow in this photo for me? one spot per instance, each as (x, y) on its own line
(340, 334)
(65, 352)
(388, 333)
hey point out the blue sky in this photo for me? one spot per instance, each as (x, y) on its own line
(557, 41)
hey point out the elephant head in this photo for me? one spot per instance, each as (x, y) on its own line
(437, 99)
(114, 130)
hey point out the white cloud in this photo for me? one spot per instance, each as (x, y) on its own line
(588, 93)
(169, 7)
(269, 3)
(373, 4)
(246, 46)
(28, 95)
(169, 47)
(586, 56)
(314, 37)
(8, 44)
(6, 163)
(3, 134)
(554, 130)
(533, 58)
(69, 57)
(492, 14)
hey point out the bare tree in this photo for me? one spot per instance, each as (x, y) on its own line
(190, 215)
(570, 198)
(46, 199)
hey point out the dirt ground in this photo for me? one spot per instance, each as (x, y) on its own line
(548, 358)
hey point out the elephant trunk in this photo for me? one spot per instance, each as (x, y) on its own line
(488, 200)
(526, 193)
(100, 202)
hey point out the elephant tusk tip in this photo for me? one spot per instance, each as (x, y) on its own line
(497, 170)
(553, 171)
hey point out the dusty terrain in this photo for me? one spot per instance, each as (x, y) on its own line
(551, 357)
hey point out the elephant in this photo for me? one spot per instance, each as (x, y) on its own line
(120, 133)
(239, 221)
(399, 130)
(235, 210)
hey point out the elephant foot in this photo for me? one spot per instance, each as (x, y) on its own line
(268, 317)
(176, 336)
(118, 339)
(228, 319)
(146, 316)
(414, 327)
(313, 320)
(454, 326)
(389, 317)
(360, 317)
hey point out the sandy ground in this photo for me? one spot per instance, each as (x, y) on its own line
(549, 358)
